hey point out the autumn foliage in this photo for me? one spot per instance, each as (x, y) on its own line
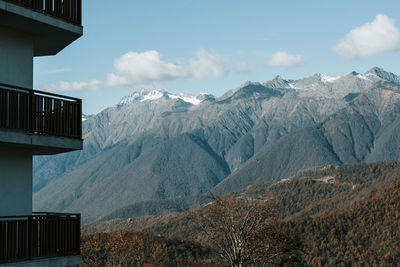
(328, 216)
(244, 231)
(142, 249)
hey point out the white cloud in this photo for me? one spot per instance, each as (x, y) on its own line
(148, 70)
(207, 65)
(379, 36)
(284, 59)
(143, 68)
(74, 86)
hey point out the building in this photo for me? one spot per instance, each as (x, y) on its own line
(35, 123)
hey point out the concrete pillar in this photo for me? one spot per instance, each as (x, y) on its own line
(15, 181)
(16, 58)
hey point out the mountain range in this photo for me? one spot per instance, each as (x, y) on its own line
(155, 146)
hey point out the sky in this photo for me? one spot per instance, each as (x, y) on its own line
(212, 46)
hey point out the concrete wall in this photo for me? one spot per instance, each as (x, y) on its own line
(15, 181)
(16, 58)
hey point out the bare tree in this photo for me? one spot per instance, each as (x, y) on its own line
(243, 230)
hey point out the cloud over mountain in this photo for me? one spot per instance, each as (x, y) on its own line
(207, 65)
(148, 70)
(376, 37)
(284, 59)
(143, 68)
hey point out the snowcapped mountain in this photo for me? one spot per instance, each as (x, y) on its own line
(85, 117)
(321, 85)
(153, 95)
(155, 145)
(324, 86)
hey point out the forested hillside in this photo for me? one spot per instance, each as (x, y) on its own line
(343, 215)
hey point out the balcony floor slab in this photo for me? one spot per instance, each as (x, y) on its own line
(39, 144)
(47, 262)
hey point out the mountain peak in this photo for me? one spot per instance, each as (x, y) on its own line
(142, 95)
(277, 82)
(278, 78)
(376, 70)
(247, 83)
(86, 116)
(154, 95)
(354, 73)
(328, 79)
(377, 73)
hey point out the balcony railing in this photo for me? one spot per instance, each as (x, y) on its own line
(38, 236)
(69, 10)
(40, 113)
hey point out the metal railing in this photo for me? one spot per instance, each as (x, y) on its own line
(68, 10)
(38, 236)
(40, 113)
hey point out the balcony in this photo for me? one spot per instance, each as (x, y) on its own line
(39, 236)
(68, 10)
(40, 113)
(50, 25)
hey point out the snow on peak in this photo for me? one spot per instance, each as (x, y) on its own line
(141, 96)
(363, 77)
(86, 117)
(328, 79)
(292, 86)
(192, 99)
(153, 95)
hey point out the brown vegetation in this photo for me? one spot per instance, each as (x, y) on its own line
(244, 231)
(142, 249)
(347, 215)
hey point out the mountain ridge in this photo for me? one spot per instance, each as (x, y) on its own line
(219, 139)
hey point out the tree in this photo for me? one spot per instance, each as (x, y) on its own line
(124, 249)
(244, 231)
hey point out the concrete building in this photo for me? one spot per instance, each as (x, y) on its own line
(35, 123)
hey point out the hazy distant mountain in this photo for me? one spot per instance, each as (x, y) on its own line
(154, 145)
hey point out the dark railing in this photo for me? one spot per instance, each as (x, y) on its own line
(69, 10)
(40, 113)
(39, 235)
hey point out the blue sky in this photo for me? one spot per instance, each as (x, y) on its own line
(214, 46)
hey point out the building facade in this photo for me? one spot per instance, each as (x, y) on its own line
(32, 123)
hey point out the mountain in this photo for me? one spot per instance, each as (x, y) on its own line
(85, 117)
(148, 95)
(365, 130)
(156, 207)
(155, 146)
(132, 116)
